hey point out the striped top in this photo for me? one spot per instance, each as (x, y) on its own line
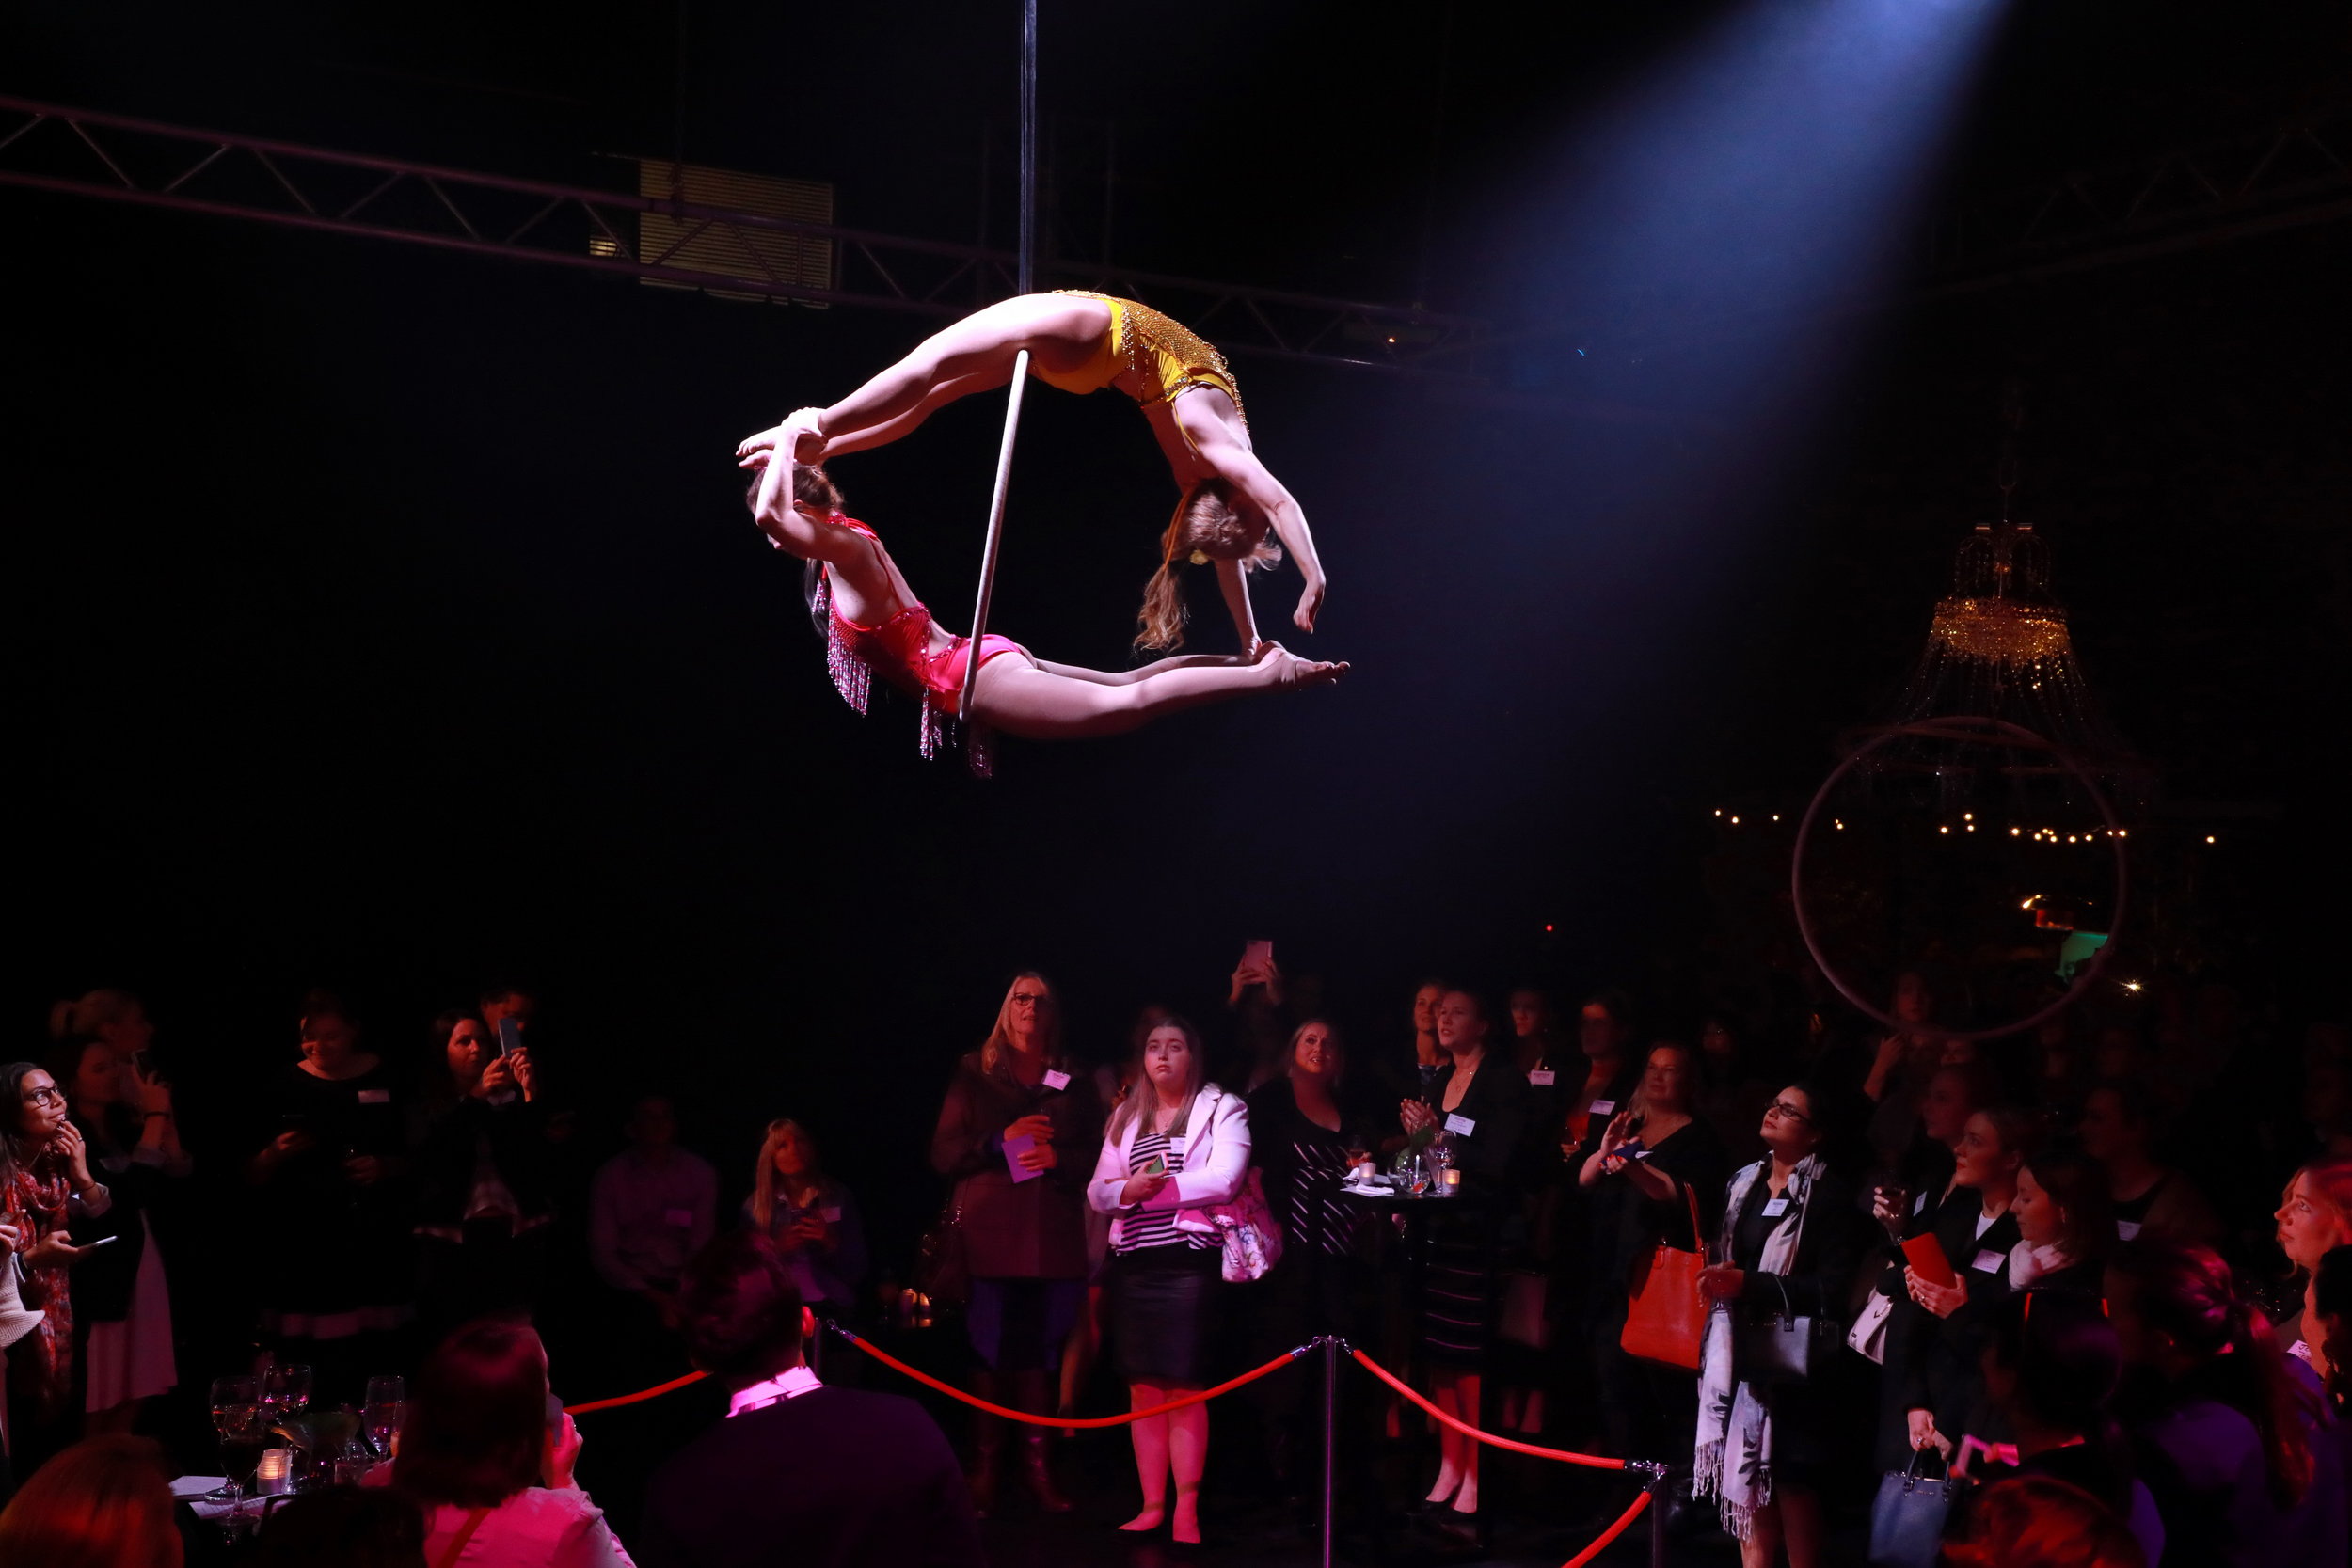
(1149, 1228)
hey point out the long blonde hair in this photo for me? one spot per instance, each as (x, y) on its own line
(1048, 1024)
(1142, 1100)
(764, 1175)
(1207, 526)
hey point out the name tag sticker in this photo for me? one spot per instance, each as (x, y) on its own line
(1604, 1107)
(375, 1096)
(1919, 1204)
(682, 1218)
(1176, 1145)
(2126, 1229)
(1542, 1077)
(1459, 1124)
(1989, 1262)
(1056, 1079)
(1776, 1208)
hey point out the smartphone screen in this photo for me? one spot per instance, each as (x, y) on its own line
(510, 1035)
(1258, 951)
(1156, 1165)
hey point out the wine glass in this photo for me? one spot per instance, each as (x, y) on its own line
(239, 1420)
(387, 1402)
(286, 1389)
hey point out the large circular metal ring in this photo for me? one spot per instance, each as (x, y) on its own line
(1985, 731)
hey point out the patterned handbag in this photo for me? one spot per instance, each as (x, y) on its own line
(1248, 1231)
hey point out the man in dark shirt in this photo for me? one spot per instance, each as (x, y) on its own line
(798, 1472)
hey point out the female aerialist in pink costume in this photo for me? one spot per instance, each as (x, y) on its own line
(875, 626)
(1082, 342)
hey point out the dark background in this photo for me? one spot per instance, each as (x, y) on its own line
(390, 620)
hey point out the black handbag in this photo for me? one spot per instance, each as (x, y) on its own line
(1785, 1347)
(1907, 1516)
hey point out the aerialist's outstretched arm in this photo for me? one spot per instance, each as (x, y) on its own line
(1215, 439)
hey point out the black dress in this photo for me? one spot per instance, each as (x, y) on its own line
(338, 1262)
(1458, 1288)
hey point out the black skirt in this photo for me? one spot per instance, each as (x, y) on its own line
(1163, 1312)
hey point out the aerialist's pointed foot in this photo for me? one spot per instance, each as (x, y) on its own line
(1292, 673)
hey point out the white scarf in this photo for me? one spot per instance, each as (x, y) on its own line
(1728, 1408)
(2029, 1262)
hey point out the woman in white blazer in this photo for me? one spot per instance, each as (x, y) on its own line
(1175, 1147)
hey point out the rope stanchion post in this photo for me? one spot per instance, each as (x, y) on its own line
(1330, 1345)
(1656, 1491)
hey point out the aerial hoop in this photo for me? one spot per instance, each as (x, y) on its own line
(1024, 282)
(1987, 732)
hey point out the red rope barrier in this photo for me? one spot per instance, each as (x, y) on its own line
(1562, 1455)
(637, 1398)
(1087, 1421)
(1601, 1542)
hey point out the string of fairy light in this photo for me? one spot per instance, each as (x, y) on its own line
(1969, 824)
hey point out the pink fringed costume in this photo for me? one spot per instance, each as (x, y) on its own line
(899, 650)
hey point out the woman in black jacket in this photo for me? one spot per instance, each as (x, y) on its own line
(481, 1171)
(1480, 1106)
(1942, 1380)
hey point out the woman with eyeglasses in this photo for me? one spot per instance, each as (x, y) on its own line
(812, 1219)
(1941, 1379)
(1788, 1248)
(1015, 1135)
(46, 1186)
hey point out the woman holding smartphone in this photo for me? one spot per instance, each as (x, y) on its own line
(1176, 1145)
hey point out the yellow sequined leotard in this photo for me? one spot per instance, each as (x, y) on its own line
(1167, 354)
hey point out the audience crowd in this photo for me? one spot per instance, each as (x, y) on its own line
(2101, 1270)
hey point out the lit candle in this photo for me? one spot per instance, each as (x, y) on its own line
(275, 1473)
(1452, 1187)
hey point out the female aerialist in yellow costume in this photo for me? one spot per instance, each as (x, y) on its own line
(1083, 342)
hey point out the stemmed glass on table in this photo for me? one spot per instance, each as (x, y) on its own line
(388, 1398)
(239, 1418)
(286, 1390)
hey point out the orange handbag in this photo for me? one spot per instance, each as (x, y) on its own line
(1664, 1317)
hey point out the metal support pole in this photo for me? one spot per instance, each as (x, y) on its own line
(1330, 1442)
(1025, 274)
(996, 531)
(1025, 263)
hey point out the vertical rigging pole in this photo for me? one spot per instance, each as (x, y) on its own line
(1025, 281)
